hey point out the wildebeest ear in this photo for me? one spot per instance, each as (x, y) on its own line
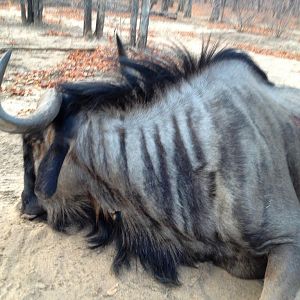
(50, 167)
(121, 50)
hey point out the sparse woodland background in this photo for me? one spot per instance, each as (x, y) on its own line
(270, 16)
(270, 27)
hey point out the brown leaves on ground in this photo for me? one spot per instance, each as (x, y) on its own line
(265, 51)
(250, 47)
(65, 12)
(84, 65)
(78, 65)
(56, 33)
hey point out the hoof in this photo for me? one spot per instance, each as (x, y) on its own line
(31, 209)
(28, 217)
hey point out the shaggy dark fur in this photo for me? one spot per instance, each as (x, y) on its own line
(143, 79)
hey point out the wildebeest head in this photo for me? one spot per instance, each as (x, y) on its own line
(47, 134)
(51, 171)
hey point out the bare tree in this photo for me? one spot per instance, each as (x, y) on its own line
(152, 3)
(181, 5)
(29, 12)
(87, 23)
(164, 5)
(245, 14)
(144, 23)
(281, 17)
(259, 4)
(133, 21)
(23, 12)
(101, 7)
(216, 11)
(34, 12)
(37, 11)
(234, 5)
(221, 15)
(188, 9)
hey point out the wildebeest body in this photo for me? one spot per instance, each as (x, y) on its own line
(206, 170)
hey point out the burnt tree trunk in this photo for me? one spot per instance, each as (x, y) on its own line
(34, 12)
(37, 11)
(87, 23)
(133, 21)
(188, 9)
(144, 23)
(164, 5)
(152, 3)
(216, 10)
(101, 7)
(258, 5)
(181, 5)
(235, 5)
(29, 12)
(23, 12)
(40, 13)
(223, 3)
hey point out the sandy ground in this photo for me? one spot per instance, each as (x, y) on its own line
(38, 263)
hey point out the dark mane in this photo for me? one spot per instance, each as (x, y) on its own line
(142, 79)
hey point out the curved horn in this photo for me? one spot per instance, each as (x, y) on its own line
(47, 111)
(3, 64)
(120, 47)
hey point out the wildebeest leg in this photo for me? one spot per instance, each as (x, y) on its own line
(30, 205)
(245, 266)
(282, 278)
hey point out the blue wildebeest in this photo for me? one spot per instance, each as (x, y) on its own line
(176, 162)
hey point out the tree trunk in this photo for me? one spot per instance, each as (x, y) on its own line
(23, 12)
(152, 3)
(181, 5)
(87, 23)
(171, 16)
(216, 10)
(101, 7)
(133, 21)
(223, 3)
(188, 9)
(144, 23)
(37, 11)
(29, 12)
(291, 4)
(258, 5)
(40, 13)
(164, 5)
(235, 5)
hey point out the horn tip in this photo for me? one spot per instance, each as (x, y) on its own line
(3, 63)
(7, 55)
(120, 47)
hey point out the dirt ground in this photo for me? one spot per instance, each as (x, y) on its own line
(38, 263)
